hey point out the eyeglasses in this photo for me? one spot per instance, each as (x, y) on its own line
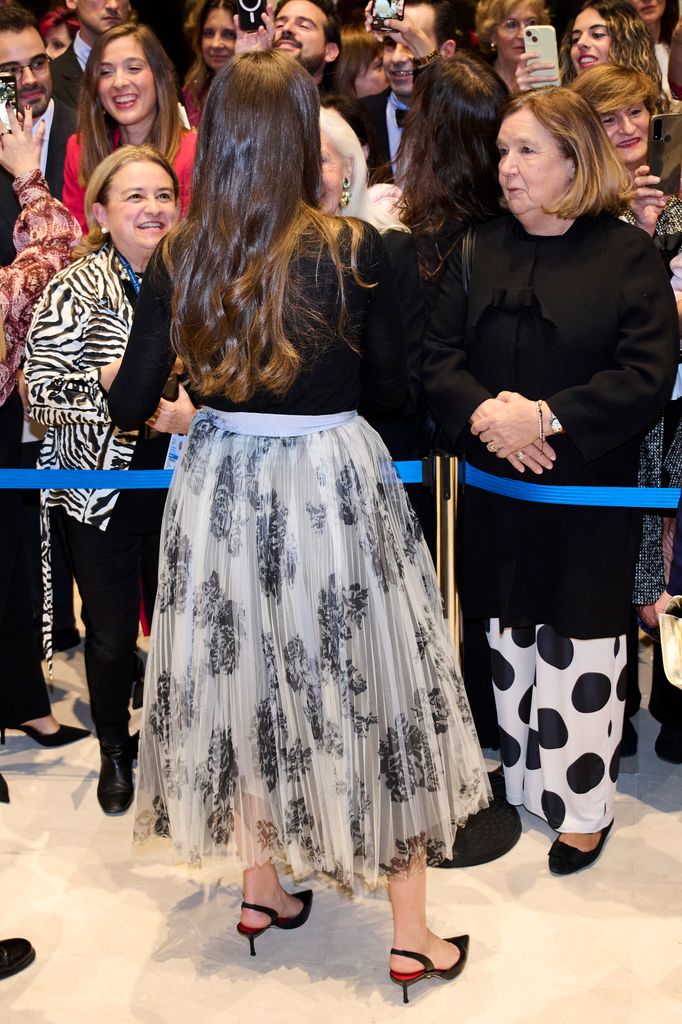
(39, 66)
(513, 24)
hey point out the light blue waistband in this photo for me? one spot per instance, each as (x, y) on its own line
(262, 424)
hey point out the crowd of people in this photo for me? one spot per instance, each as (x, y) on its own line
(325, 248)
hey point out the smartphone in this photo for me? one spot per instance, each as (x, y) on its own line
(542, 39)
(665, 151)
(386, 10)
(171, 389)
(8, 94)
(250, 14)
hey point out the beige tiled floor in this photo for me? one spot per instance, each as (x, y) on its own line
(124, 936)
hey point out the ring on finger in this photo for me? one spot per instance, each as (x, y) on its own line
(520, 455)
(492, 447)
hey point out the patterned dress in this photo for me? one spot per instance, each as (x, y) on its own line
(303, 702)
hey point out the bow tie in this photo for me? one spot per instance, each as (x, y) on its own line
(400, 116)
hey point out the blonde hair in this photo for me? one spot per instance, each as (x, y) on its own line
(100, 184)
(491, 13)
(609, 87)
(599, 181)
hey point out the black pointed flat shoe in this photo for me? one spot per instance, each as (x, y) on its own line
(566, 860)
(429, 971)
(287, 923)
(15, 954)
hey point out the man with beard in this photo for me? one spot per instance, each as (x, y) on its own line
(310, 31)
(22, 53)
(95, 17)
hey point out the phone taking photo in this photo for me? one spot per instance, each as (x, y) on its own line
(386, 10)
(665, 151)
(542, 39)
(8, 94)
(250, 14)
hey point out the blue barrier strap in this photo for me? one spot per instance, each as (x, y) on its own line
(409, 473)
(126, 480)
(614, 497)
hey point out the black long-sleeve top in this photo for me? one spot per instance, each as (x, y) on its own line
(367, 364)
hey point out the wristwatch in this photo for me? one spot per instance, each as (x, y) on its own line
(421, 62)
(554, 425)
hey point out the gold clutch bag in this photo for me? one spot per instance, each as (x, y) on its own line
(670, 624)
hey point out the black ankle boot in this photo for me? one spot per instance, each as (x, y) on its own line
(115, 786)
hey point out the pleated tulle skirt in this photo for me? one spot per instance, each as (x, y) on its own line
(302, 699)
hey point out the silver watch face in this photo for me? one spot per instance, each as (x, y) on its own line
(555, 426)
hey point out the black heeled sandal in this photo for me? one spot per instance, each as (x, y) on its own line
(462, 944)
(286, 923)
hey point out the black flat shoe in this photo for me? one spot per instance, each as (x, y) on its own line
(429, 971)
(15, 954)
(288, 923)
(64, 734)
(115, 787)
(566, 860)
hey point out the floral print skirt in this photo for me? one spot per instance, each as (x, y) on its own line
(302, 698)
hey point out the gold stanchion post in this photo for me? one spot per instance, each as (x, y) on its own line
(447, 494)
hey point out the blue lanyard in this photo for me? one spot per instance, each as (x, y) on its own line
(129, 271)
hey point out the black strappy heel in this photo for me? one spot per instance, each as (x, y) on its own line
(462, 944)
(252, 934)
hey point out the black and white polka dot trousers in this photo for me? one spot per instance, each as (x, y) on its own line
(560, 705)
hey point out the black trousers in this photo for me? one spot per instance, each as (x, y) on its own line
(23, 694)
(110, 567)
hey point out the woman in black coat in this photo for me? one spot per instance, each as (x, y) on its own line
(568, 332)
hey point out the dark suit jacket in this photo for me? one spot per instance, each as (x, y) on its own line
(63, 125)
(66, 78)
(375, 111)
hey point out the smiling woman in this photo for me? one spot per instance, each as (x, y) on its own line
(78, 336)
(212, 36)
(128, 96)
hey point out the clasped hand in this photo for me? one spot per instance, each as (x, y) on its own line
(509, 422)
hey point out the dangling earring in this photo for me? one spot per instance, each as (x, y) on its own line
(345, 193)
(493, 46)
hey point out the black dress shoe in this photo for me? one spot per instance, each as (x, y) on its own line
(15, 954)
(115, 786)
(668, 745)
(566, 860)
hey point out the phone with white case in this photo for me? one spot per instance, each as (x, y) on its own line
(541, 39)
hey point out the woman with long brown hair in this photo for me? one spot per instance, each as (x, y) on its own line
(128, 97)
(304, 703)
(212, 35)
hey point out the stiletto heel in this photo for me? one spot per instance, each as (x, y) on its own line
(405, 980)
(287, 923)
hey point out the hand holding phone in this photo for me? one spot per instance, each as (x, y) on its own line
(20, 147)
(665, 151)
(8, 97)
(541, 64)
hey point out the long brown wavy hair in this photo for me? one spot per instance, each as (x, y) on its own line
(199, 76)
(253, 215)
(96, 128)
(447, 159)
(631, 42)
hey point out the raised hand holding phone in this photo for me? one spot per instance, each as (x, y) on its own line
(20, 146)
(254, 25)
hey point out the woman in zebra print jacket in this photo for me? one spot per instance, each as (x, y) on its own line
(77, 338)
